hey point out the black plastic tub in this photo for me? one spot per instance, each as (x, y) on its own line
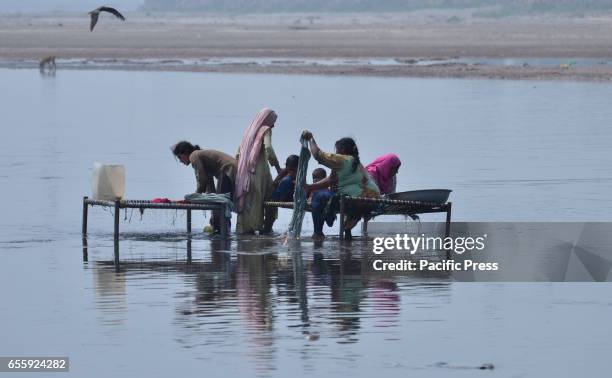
(427, 195)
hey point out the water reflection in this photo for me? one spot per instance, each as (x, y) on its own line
(545, 158)
(269, 296)
(110, 289)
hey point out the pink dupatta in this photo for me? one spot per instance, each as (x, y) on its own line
(250, 147)
(380, 170)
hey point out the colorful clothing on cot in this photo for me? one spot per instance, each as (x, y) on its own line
(161, 200)
(355, 183)
(212, 198)
(215, 219)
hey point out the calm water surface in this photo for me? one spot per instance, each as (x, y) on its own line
(511, 151)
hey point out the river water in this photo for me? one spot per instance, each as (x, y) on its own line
(510, 150)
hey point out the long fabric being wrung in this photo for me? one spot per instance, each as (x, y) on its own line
(299, 198)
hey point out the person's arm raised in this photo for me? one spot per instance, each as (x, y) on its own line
(314, 148)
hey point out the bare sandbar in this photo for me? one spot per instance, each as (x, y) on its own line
(404, 37)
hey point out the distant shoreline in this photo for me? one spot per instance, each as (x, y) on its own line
(402, 37)
(459, 71)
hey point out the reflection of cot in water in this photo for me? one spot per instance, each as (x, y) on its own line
(118, 204)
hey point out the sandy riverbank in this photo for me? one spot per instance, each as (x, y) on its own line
(399, 36)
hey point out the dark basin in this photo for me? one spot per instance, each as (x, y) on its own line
(428, 195)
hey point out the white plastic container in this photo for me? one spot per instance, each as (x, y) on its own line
(108, 182)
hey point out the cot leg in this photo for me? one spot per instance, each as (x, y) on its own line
(116, 234)
(84, 229)
(223, 221)
(341, 225)
(189, 221)
(188, 236)
(85, 253)
(448, 220)
(189, 257)
(448, 225)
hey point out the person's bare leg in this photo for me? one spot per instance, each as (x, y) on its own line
(349, 224)
(270, 215)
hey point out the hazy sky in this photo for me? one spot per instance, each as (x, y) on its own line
(64, 5)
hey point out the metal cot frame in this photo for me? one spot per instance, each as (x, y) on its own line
(391, 207)
(118, 204)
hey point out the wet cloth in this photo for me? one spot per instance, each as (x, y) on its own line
(381, 171)
(355, 183)
(299, 198)
(249, 155)
(213, 198)
(209, 164)
(161, 200)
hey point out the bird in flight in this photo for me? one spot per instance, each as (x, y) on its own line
(94, 14)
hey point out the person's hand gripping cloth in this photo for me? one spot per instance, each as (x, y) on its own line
(299, 197)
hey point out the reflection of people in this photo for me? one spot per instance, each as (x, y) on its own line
(350, 177)
(385, 301)
(319, 270)
(255, 305)
(347, 287)
(384, 170)
(253, 178)
(208, 164)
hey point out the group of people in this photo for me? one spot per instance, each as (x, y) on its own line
(248, 181)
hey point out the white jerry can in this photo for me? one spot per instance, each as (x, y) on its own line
(108, 182)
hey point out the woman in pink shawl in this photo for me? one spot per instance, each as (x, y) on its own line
(253, 178)
(383, 170)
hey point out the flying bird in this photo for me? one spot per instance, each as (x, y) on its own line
(94, 14)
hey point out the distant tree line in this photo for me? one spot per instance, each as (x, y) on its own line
(501, 6)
